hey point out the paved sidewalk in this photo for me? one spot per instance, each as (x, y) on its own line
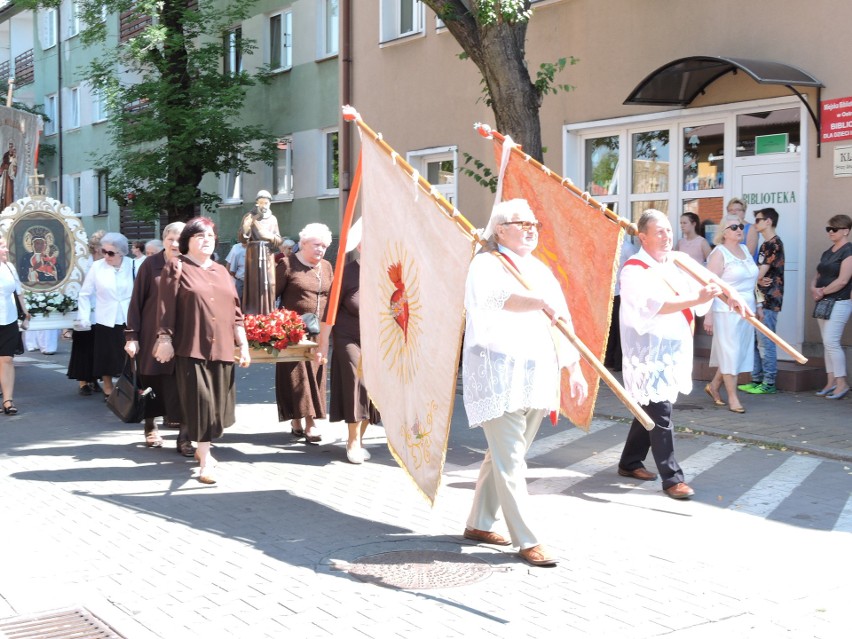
(92, 518)
(793, 421)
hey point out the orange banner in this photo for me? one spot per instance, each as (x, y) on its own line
(581, 246)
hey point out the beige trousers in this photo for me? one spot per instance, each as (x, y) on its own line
(502, 480)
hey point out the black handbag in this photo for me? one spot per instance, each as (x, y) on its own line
(822, 309)
(127, 400)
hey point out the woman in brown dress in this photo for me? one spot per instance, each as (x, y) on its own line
(303, 282)
(200, 322)
(349, 401)
(143, 323)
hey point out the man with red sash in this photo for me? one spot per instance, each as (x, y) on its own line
(658, 303)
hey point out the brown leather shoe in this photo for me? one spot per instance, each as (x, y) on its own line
(486, 537)
(641, 473)
(538, 556)
(679, 491)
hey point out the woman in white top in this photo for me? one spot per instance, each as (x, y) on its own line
(10, 335)
(733, 337)
(691, 242)
(108, 287)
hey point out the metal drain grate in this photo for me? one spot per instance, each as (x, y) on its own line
(62, 624)
(419, 569)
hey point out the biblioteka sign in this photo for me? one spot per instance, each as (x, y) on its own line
(836, 120)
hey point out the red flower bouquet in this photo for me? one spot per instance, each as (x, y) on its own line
(275, 331)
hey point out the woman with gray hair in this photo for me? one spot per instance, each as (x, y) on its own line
(107, 289)
(303, 281)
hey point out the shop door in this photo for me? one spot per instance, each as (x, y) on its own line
(765, 183)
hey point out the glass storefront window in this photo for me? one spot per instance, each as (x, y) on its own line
(768, 132)
(601, 159)
(703, 155)
(709, 211)
(650, 161)
(637, 208)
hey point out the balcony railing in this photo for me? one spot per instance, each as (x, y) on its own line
(24, 69)
(5, 72)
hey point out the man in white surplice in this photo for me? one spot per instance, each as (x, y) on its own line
(658, 303)
(511, 367)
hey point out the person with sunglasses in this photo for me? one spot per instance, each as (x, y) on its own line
(107, 289)
(833, 282)
(511, 361)
(732, 351)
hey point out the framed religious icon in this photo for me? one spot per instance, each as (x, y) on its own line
(47, 247)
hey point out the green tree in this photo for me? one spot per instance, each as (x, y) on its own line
(492, 33)
(173, 110)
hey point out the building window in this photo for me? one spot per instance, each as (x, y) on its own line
(99, 107)
(233, 58)
(440, 167)
(282, 170)
(281, 41)
(768, 132)
(53, 188)
(400, 18)
(50, 112)
(49, 27)
(74, 19)
(232, 186)
(101, 185)
(74, 195)
(331, 180)
(73, 108)
(329, 28)
(601, 166)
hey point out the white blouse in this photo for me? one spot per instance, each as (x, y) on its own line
(657, 348)
(511, 360)
(10, 285)
(108, 291)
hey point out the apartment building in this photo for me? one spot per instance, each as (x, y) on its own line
(297, 41)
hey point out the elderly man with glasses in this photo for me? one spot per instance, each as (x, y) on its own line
(512, 358)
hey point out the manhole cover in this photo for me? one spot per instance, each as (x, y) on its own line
(64, 623)
(419, 569)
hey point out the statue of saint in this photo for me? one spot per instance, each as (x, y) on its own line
(259, 233)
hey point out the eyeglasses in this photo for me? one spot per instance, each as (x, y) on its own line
(758, 220)
(109, 253)
(526, 226)
(735, 227)
(834, 229)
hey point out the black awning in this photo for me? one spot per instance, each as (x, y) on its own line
(679, 82)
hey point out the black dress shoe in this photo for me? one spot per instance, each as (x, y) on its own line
(96, 388)
(86, 390)
(186, 449)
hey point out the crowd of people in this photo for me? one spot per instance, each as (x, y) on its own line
(180, 316)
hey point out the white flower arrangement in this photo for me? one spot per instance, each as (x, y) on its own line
(51, 302)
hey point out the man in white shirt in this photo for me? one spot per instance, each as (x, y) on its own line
(658, 305)
(512, 358)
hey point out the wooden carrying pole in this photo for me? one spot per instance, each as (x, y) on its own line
(758, 325)
(350, 115)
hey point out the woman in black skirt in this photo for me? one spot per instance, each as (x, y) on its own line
(82, 343)
(107, 288)
(10, 334)
(200, 323)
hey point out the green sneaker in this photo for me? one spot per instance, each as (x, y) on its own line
(748, 388)
(763, 389)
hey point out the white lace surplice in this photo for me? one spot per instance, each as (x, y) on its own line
(509, 359)
(657, 348)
